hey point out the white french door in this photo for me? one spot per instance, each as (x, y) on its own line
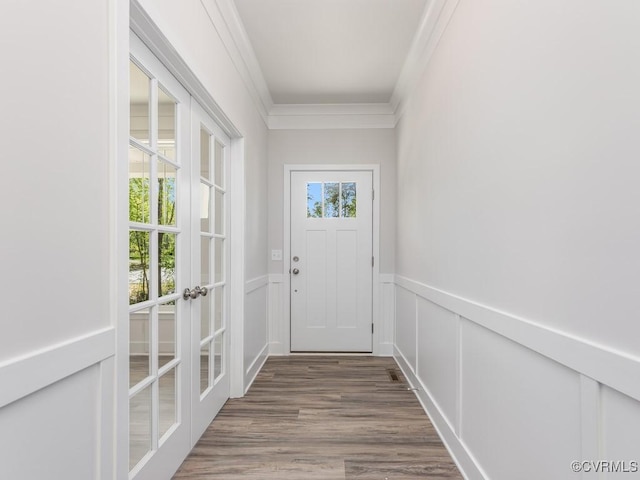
(178, 345)
(209, 244)
(331, 261)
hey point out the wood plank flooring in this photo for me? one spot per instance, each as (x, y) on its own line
(322, 418)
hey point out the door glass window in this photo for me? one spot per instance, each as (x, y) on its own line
(331, 200)
(139, 90)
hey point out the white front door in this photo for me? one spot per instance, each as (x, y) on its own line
(331, 261)
(210, 337)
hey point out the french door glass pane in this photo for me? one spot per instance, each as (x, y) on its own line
(205, 154)
(139, 280)
(139, 88)
(166, 125)
(166, 194)
(139, 426)
(205, 260)
(167, 386)
(205, 210)
(219, 245)
(167, 333)
(219, 165)
(167, 263)
(219, 212)
(139, 184)
(205, 317)
(139, 347)
(218, 357)
(218, 305)
(204, 367)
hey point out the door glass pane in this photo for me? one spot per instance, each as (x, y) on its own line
(314, 200)
(139, 426)
(167, 263)
(139, 337)
(219, 212)
(167, 391)
(331, 200)
(139, 182)
(204, 367)
(205, 154)
(219, 260)
(205, 317)
(218, 347)
(167, 333)
(205, 260)
(138, 104)
(166, 194)
(218, 305)
(166, 125)
(205, 211)
(348, 199)
(138, 266)
(219, 165)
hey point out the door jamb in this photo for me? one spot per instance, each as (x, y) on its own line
(375, 291)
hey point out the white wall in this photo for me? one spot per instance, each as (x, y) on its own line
(188, 26)
(517, 241)
(56, 339)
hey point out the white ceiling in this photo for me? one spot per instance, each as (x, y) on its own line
(331, 51)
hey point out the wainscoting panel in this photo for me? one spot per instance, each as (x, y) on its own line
(277, 326)
(620, 420)
(406, 340)
(511, 398)
(255, 328)
(437, 355)
(387, 305)
(520, 410)
(59, 402)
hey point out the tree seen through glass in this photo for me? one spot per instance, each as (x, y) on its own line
(331, 200)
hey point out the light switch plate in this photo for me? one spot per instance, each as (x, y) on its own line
(276, 255)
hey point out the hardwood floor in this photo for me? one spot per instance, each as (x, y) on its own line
(324, 418)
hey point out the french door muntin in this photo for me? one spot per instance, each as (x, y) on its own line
(159, 226)
(210, 252)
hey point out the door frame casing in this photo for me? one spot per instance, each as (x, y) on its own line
(286, 259)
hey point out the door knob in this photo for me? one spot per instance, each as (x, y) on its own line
(187, 294)
(204, 291)
(295, 271)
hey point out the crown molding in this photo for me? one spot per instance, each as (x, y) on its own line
(434, 22)
(226, 20)
(327, 116)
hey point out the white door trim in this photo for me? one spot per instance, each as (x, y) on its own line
(286, 317)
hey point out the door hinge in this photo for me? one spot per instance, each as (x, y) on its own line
(372, 328)
(373, 261)
(373, 194)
